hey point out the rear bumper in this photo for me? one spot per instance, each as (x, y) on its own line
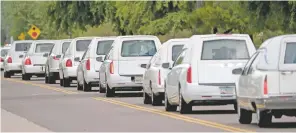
(54, 69)
(70, 72)
(276, 102)
(157, 89)
(13, 67)
(117, 81)
(195, 93)
(30, 69)
(91, 77)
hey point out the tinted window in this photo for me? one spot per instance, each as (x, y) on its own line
(43, 47)
(4, 52)
(22, 46)
(290, 54)
(175, 51)
(138, 48)
(104, 47)
(81, 45)
(225, 49)
(65, 46)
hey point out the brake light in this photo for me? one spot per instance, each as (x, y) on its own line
(159, 80)
(111, 68)
(87, 64)
(55, 58)
(9, 60)
(2, 60)
(28, 61)
(189, 77)
(69, 63)
(265, 87)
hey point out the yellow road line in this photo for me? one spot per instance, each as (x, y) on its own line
(175, 116)
(43, 86)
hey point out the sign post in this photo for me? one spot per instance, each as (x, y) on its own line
(34, 32)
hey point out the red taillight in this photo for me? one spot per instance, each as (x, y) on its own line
(2, 60)
(87, 64)
(111, 68)
(28, 61)
(159, 78)
(9, 60)
(55, 58)
(69, 63)
(189, 77)
(265, 88)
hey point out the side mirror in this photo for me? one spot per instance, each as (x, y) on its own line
(166, 65)
(100, 59)
(143, 65)
(58, 56)
(77, 59)
(45, 54)
(237, 71)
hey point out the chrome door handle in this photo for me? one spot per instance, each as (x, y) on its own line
(287, 72)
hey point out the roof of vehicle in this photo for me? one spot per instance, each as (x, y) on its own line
(106, 37)
(133, 36)
(37, 41)
(86, 37)
(219, 35)
(274, 41)
(5, 47)
(23, 41)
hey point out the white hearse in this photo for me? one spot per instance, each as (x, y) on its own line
(202, 73)
(266, 85)
(153, 79)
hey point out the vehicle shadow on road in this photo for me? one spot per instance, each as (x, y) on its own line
(280, 125)
(122, 95)
(202, 112)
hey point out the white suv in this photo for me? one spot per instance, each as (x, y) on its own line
(35, 59)
(71, 58)
(13, 61)
(266, 85)
(153, 80)
(121, 69)
(4, 52)
(88, 69)
(202, 73)
(52, 62)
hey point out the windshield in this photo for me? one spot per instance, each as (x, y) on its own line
(43, 47)
(104, 47)
(176, 49)
(138, 48)
(225, 49)
(290, 54)
(4, 52)
(81, 45)
(65, 46)
(22, 46)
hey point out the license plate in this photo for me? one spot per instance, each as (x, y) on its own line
(226, 90)
(138, 79)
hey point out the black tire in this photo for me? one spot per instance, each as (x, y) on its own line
(46, 79)
(61, 82)
(110, 92)
(26, 77)
(102, 89)
(79, 87)
(245, 116)
(265, 119)
(51, 79)
(184, 107)
(66, 82)
(235, 107)
(156, 100)
(146, 98)
(168, 106)
(7, 75)
(86, 86)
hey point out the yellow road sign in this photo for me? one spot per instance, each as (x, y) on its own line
(21, 36)
(34, 32)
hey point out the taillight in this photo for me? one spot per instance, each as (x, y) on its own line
(111, 68)
(55, 58)
(28, 61)
(9, 60)
(159, 79)
(69, 63)
(189, 77)
(87, 64)
(265, 87)
(2, 60)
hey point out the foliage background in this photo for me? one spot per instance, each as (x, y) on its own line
(166, 19)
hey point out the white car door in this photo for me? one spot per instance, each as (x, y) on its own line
(287, 66)
(146, 76)
(80, 69)
(103, 67)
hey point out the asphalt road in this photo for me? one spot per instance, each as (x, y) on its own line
(58, 109)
